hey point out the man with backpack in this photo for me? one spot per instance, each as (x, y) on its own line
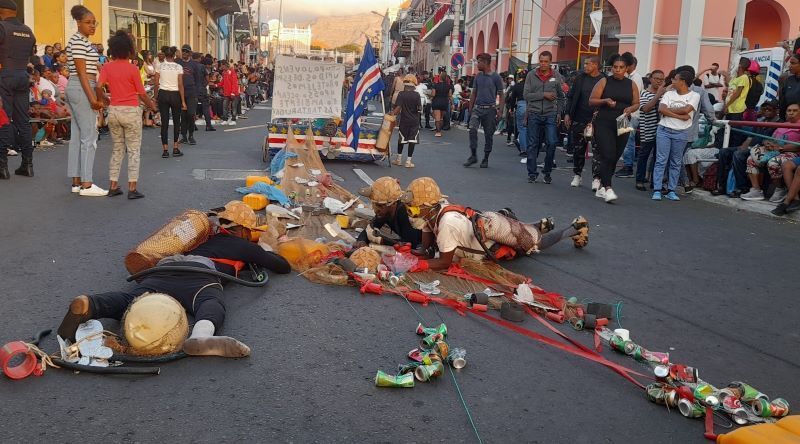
(462, 232)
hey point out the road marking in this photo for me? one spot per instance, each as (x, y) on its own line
(244, 128)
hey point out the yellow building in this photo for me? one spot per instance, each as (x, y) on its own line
(155, 23)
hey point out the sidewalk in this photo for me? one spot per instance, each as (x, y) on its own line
(761, 207)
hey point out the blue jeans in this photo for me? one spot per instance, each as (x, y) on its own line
(535, 123)
(83, 131)
(670, 145)
(521, 128)
(485, 117)
(629, 155)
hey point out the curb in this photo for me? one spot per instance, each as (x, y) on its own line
(762, 207)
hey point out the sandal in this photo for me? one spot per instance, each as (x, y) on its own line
(165, 154)
(176, 153)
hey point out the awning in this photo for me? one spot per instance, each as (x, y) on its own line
(218, 8)
(438, 26)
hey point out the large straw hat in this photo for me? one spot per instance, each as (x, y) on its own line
(423, 191)
(410, 79)
(385, 190)
(155, 324)
(239, 213)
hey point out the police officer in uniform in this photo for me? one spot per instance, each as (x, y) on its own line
(16, 47)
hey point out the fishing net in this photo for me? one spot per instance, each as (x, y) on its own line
(451, 287)
(181, 234)
(491, 271)
(328, 274)
(511, 232)
(295, 178)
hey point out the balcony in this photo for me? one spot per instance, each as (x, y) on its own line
(438, 25)
(218, 8)
(412, 23)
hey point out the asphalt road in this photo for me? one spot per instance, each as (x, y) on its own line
(712, 286)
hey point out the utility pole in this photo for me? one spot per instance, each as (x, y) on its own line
(258, 33)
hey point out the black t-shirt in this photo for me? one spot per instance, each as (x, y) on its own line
(442, 89)
(409, 103)
(578, 108)
(399, 224)
(224, 246)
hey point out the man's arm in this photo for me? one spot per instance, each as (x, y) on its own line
(706, 108)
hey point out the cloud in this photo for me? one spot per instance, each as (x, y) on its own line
(306, 10)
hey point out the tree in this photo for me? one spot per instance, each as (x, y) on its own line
(350, 47)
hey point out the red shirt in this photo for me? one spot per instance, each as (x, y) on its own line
(230, 83)
(124, 82)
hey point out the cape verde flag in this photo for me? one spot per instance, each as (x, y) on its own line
(366, 85)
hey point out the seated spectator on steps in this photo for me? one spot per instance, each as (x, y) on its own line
(735, 157)
(773, 155)
(791, 176)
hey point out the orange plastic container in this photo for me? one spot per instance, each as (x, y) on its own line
(250, 180)
(785, 431)
(255, 201)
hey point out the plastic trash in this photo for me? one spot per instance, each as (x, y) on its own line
(336, 231)
(524, 294)
(279, 162)
(270, 191)
(400, 263)
(335, 206)
(279, 211)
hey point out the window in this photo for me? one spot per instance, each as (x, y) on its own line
(151, 32)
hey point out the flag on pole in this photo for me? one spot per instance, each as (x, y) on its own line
(367, 84)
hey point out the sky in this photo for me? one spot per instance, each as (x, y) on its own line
(295, 11)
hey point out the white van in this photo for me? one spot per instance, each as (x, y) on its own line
(771, 61)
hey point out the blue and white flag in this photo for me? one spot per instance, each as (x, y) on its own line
(367, 84)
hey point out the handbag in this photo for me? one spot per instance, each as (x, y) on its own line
(588, 131)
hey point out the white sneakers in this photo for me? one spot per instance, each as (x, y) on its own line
(93, 191)
(409, 164)
(45, 142)
(595, 184)
(601, 193)
(778, 195)
(576, 181)
(12, 153)
(76, 188)
(753, 194)
(396, 160)
(610, 195)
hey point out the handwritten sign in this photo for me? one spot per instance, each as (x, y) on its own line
(307, 89)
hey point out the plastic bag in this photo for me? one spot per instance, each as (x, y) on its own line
(330, 274)
(400, 263)
(268, 190)
(279, 162)
(623, 124)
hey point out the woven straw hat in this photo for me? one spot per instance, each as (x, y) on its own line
(366, 257)
(239, 213)
(384, 191)
(423, 191)
(155, 324)
(410, 79)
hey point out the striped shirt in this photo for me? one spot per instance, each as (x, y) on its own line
(648, 121)
(79, 47)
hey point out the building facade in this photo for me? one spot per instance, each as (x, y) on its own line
(204, 24)
(285, 39)
(661, 33)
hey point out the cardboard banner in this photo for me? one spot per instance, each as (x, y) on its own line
(307, 89)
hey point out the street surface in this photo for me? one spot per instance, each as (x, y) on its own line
(710, 285)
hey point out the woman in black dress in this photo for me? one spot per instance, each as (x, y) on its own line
(407, 105)
(613, 96)
(442, 95)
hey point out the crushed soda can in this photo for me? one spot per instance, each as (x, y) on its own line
(429, 341)
(776, 408)
(662, 394)
(430, 358)
(408, 368)
(683, 373)
(691, 409)
(427, 331)
(417, 354)
(442, 349)
(385, 380)
(746, 392)
(457, 358)
(424, 373)
(655, 357)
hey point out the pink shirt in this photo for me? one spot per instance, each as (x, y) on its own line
(123, 82)
(62, 83)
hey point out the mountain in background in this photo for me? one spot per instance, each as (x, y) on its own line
(337, 31)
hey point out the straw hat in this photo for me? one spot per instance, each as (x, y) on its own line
(385, 190)
(410, 79)
(238, 213)
(366, 257)
(423, 191)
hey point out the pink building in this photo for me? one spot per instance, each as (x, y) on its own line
(661, 33)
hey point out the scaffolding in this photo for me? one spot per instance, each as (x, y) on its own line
(587, 7)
